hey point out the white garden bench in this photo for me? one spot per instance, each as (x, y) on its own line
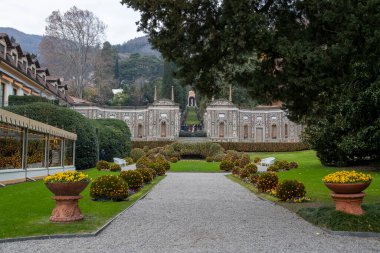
(120, 162)
(267, 161)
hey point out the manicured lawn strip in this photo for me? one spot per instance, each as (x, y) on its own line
(25, 209)
(310, 172)
(327, 217)
(194, 166)
(251, 188)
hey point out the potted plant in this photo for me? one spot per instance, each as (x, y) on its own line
(66, 186)
(347, 187)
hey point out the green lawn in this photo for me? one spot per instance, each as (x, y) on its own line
(328, 217)
(25, 209)
(310, 172)
(191, 118)
(194, 166)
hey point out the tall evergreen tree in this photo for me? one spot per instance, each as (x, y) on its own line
(320, 57)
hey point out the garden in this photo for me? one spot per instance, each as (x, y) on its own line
(110, 191)
(297, 181)
(294, 181)
(309, 197)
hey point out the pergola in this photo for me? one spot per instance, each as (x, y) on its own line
(29, 148)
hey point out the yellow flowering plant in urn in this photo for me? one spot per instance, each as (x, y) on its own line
(347, 187)
(67, 176)
(347, 177)
(66, 187)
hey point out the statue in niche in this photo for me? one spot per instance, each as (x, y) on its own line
(191, 99)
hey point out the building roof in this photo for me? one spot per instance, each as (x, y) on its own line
(44, 85)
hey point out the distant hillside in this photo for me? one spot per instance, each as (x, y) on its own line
(28, 42)
(138, 45)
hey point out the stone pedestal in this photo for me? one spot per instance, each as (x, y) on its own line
(66, 209)
(349, 203)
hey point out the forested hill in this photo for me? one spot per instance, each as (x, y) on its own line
(28, 42)
(138, 45)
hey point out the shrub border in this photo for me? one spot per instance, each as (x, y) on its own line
(80, 235)
(264, 146)
(238, 146)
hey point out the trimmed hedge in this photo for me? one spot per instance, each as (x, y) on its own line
(25, 100)
(264, 146)
(150, 144)
(203, 149)
(114, 138)
(192, 134)
(238, 146)
(87, 146)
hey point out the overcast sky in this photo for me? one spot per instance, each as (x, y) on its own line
(29, 16)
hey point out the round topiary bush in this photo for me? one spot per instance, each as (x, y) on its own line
(218, 157)
(226, 164)
(251, 167)
(146, 174)
(136, 154)
(146, 149)
(236, 171)
(244, 160)
(290, 190)
(159, 168)
(267, 181)
(282, 165)
(253, 178)
(293, 165)
(209, 159)
(273, 168)
(244, 173)
(115, 167)
(143, 162)
(102, 165)
(233, 155)
(133, 178)
(257, 160)
(154, 173)
(161, 160)
(128, 160)
(109, 187)
(173, 159)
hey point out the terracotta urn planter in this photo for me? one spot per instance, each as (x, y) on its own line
(348, 197)
(66, 198)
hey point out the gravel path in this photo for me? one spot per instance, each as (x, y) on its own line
(190, 212)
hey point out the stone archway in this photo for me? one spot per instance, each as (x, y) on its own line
(163, 129)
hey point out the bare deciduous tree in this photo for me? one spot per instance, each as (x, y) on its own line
(73, 35)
